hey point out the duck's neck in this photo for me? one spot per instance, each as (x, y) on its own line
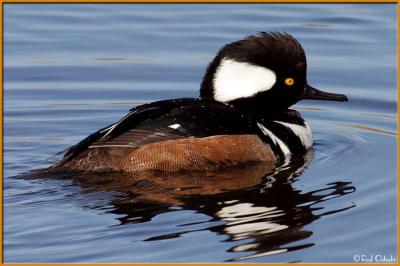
(288, 116)
(265, 114)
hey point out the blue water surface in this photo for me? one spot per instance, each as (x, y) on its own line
(70, 69)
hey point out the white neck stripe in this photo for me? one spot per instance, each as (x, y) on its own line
(303, 132)
(284, 148)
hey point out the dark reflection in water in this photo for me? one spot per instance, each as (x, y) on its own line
(256, 203)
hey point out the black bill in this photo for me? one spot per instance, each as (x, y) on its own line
(311, 93)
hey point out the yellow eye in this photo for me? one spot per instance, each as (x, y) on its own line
(289, 81)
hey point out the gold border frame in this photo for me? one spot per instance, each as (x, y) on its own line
(180, 1)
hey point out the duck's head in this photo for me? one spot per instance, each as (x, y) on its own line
(266, 72)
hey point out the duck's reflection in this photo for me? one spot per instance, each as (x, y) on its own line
(256, 203)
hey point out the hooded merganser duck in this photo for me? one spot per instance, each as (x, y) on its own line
(241, 117)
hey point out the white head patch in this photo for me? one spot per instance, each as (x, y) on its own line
(234, 80)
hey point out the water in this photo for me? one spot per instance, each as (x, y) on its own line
(71, 69)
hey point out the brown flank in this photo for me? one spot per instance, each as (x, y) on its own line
(176, 155)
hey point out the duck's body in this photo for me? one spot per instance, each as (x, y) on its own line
(242, 117)
(189, 134)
